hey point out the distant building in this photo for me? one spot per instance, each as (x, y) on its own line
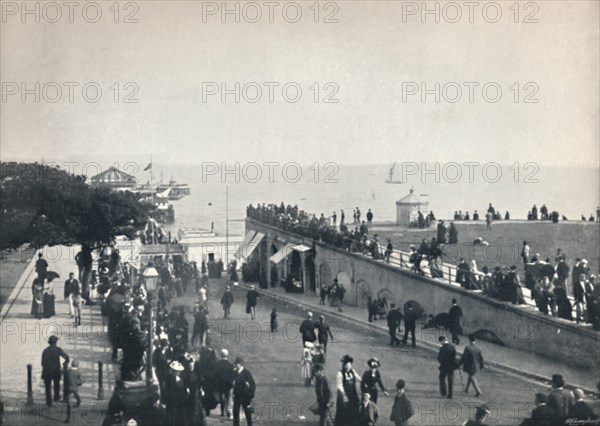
(407, 209)
(114, 178)
(201, 244)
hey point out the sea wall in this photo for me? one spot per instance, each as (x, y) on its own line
(518, 327)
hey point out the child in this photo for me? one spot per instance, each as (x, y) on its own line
(274, 320)
(73, 380)
(306, 363)
(78, 302)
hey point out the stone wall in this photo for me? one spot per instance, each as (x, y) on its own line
(517, 327)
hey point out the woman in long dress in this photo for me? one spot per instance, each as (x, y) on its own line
(37, 302)
(347, 394)
(49, 300)
(306, 362)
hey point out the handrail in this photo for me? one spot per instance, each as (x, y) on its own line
(400, 259)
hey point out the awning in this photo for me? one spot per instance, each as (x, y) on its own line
(282, 254)
(287, 249)
(247, 249)
(247, 239)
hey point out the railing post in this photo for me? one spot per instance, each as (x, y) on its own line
(100, 381)
(29, 385)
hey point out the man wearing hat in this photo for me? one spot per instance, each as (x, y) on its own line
(455, 315)
(244, 388)
(324, 402)
(581, 409)
(371, 379)
(51, 371)
(175, 395)
(559, 399)
(472, 361)
(224, 375)
(251, 302)
(402, 410)
(447, 360)
(323, 332)
(394, 318)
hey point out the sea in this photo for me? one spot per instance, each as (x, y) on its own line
(220, 193)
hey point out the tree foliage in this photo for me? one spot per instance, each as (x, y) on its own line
(43, 205)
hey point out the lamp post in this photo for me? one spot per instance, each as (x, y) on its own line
(151, 279)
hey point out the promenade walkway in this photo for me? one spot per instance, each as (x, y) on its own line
(24, 338)
(501, 358)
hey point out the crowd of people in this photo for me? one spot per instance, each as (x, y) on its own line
(192, 378)
(547, 283)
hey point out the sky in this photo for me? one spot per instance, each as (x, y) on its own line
(361, 80)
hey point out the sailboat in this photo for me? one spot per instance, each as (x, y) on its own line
(391, 175)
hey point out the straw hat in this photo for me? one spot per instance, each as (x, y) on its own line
(176, 366)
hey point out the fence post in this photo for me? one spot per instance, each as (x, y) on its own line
(100, 382)
(29, 385)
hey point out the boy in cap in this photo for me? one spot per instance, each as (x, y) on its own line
(73, 378)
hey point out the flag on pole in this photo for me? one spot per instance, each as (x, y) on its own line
(148, 167)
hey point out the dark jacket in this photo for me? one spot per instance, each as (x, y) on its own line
(252, 297)
(307, 329)
(367, 415)
(402, 410)
(471, 360)
(227, 299)
(561, 401)
(224, 375)
(369, 382)
(71, 288)
(51, 361)
(542, 415)
(394, 318)
(582, 411)
(244, 387)
(455, 314)
(323, 392)
(447, 358)
(324, 331)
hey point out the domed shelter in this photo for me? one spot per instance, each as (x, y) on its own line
(407, 209)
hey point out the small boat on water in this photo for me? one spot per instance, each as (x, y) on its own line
(390, 178)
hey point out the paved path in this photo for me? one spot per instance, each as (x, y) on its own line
(24, 338)
(504, 358)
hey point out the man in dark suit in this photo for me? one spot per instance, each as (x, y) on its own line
(447, 360)
(323, 391)
(394, 318)
(307, 329)
(455, 316)
(251, 302)
(402, 410)
(51, 368)
(323, 332)
(559, 399)
(243, 392)
(472, 361)
(410, 323)
(71, 289)
(224, 376)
